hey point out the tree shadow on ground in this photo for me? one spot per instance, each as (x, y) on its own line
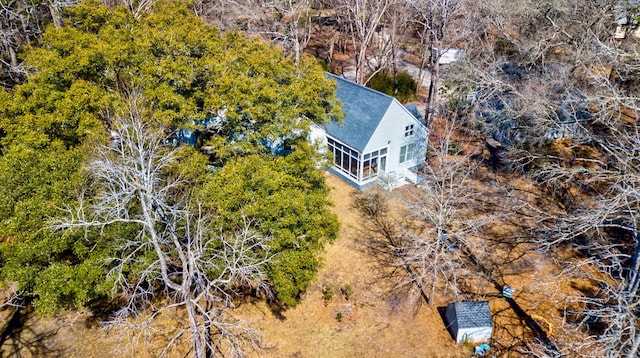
(102, 310)
(19, 338)
(442, 310)
(538, 333)
(390, 268)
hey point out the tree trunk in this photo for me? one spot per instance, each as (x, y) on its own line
(432, 95)
(434, 279)
(207, 331)
(332, 44)
(423, 60)
(13, 56)
(634, 348)
(360, 62)
(199, 346)
(55, 14)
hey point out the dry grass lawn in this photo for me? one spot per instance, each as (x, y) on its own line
(373, 321)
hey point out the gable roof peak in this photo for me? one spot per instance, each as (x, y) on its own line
(364, 109)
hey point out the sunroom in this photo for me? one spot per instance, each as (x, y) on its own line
(361, 168)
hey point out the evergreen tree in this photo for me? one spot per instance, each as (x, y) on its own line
(184, 73)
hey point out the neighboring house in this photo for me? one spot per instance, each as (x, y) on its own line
(627, 18)
(469, 321)
(380, 140)
(449, 55)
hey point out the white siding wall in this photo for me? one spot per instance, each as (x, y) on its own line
(317, 135)
(476, 335)
(318, 138)
(391, 133)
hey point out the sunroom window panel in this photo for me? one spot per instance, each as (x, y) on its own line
(373, 164)
(345, 161)
(354, 167)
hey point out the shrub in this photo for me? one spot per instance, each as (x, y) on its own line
(455, 148)
(347, 291)
(405, 90)
(327, 294)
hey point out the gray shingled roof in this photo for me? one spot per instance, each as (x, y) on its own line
(363, 107)
(473, 314)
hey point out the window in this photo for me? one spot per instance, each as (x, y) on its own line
(344, 158)
(408, 130)
(406, 152)
(374, 162)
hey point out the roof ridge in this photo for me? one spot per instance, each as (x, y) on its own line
(346, 80)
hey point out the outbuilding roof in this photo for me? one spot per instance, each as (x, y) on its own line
(473, 314)
(364, 109)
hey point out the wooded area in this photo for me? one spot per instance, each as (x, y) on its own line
(97, 204)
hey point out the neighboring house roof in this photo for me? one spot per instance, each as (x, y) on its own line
(627, 12)
(364, 109)
(411, 107)
(473, 314)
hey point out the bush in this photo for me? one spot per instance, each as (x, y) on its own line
(383, 82)
(455, 148)
(327, 294)
(347, 291)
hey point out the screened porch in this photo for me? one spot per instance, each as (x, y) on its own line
(358, 167)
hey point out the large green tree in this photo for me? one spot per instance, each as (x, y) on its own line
(86, 75)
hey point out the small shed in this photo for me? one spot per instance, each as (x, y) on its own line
(469, 321)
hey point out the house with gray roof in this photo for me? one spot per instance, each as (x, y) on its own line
(469, 321)
(380, 140)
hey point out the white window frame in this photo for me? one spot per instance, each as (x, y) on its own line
(408, 131)
(345, 158)
(372, 163)
(407, 152)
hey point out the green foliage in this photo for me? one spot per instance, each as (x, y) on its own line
(184, 71)
(339, 316)
(347, 291)
(455, 148)
(287, 199)
(327, 294)
(404, 91)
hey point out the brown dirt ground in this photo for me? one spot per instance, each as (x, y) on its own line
(375, 321)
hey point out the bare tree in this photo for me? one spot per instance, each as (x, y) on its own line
(286, 23)
(22, 23)
(195, 266)
(433, 19)
(602, 221)
(556, 78)
(292, 22)
(433, 245)
(137, 7)
(365, 17)
(442, 205)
